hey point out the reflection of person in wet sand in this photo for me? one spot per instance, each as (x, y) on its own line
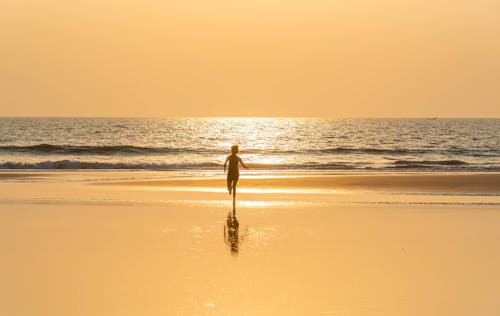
(233, 173)
(231, 231)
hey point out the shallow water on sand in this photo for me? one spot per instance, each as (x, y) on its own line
(173, 260)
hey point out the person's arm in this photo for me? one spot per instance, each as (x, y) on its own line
(225, 163)
(244, 166)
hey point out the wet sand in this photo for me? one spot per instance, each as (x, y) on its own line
(76, 248)
(404, 182)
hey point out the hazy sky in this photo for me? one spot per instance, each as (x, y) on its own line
(333, 58)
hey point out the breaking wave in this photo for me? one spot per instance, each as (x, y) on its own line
(72, 164)
(430, 162)
(139, 150)
(75, 165)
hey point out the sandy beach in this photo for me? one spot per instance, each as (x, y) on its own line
(403, 182)
(149, 243)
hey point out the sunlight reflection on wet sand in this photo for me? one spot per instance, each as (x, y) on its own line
(253, 190)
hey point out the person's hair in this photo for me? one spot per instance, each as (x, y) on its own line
(234, 149)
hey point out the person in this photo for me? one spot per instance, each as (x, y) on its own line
(233, 173)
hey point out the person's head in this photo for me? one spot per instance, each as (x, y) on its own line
(234, 149)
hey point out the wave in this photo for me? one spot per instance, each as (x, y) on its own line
(349, 150)
(72, 164)
(436, 165)
(96, 150)
(407, 165)
(48, 149)
(430, 162)
(401, 151)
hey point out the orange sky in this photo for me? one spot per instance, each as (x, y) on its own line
(332, 58)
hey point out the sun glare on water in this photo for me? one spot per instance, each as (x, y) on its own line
(259, 134)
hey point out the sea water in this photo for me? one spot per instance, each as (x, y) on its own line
(265, 143)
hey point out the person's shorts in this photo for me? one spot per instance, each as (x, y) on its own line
(233, 177)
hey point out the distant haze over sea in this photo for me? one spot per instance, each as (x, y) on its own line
(265, 143)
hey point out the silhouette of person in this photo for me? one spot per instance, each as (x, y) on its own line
(233, 173)
(231, 231)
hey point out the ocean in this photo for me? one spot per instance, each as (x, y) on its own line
(265, 144)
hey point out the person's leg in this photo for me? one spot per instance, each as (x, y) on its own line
(229, 182)
(235, 182)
